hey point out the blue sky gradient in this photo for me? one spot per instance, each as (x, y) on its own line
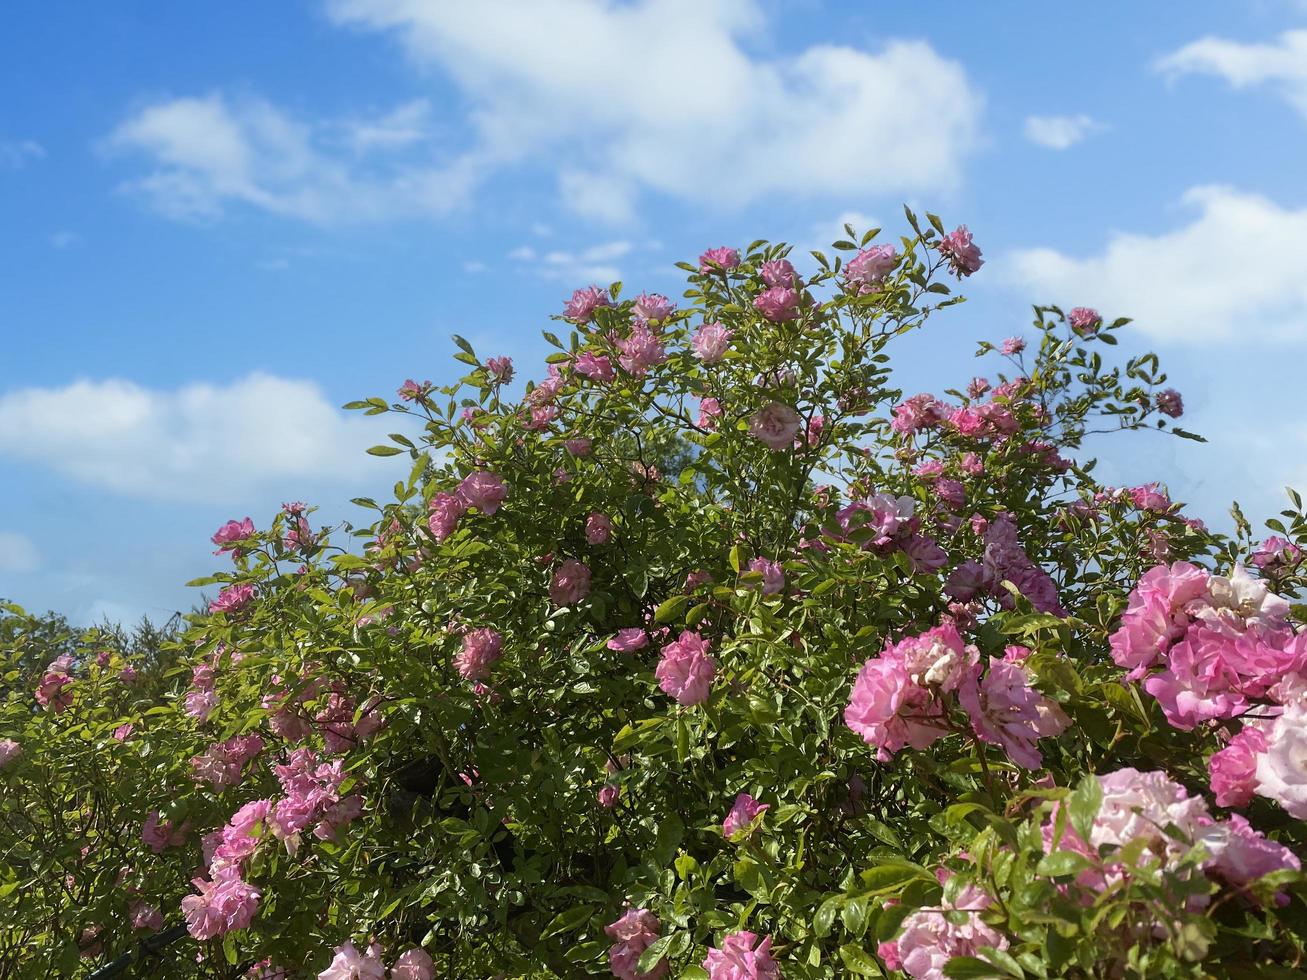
(223, 221)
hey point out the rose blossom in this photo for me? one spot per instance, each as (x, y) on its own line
(9, 751)
(570, 583)
(500, 370)
(652, 307)
(710, 342)
(413, 964)
(628, 640)
(1170, 403)
(778, 304)
(595, 367)
(743, 813)
(961, 252)
(350, 964)
(231, 532)
(581, 307)
(640, 351)
(598, 529)
(1084, 320)
(869, 267)
(686, 670)
(775, 425)
(481, 648)
(633, 933)
(718, 260)
(773, 578)
(445, 511)
(742, 957)
(484, 491)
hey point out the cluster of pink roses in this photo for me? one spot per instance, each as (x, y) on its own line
(225, 901)
(1215, 648)
(484, 491)
(52, 693)
(1003, 560)
(222, 764)
(885, 522)
(930, 937)
(1160, 821)
(901, 698)
(350, 963)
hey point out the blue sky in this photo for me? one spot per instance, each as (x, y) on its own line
(222, 221)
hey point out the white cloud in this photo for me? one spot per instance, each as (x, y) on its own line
(17, 553)
(208, 153)
(1236, 269)
(1281, 65)
(590, 265)
(662, 95)
(199, 442)
(405, 125)
(14, 155)
(1059, 132)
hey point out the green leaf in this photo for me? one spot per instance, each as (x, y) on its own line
(568, 921)
(971, 967)
(384, 451)
(891, 877)
(1083, 805)
(859, 962)
(1061, 863)
(670, 609)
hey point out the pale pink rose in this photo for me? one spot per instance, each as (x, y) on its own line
(718, 260)
(777, 272)
(742, 957)
(930, 938)
(628, 640)
(598, 529)
(778, 304)
(1013, 346)
(1005, 710)
(411, 390)
(570, 583)
(640, 351)
(633, 933)
(581, 307)
(775, 426)
(9, 751)
(743, 813)
(773, 577)
(222, 906)
(870, 267)
(481, 648)
(652, 307)
(1084, 320)
(686, 671)
(596, 367)
(710, 410)
(608, 796)
(231, 532)
(413, 964)
(710, 342)
(1240, 854)
(446, 509)
(232, 599)
(961, 252)
(500, 370)
(1282, 766)
(484, 491)
(577, 447)
(350, 964)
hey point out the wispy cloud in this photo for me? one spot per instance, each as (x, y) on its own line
(1281, 65)
(17, 553)
(1235, 269)
(199, 442)
(212, 152)
(596, 264)
(16, 154)
(1059, 132)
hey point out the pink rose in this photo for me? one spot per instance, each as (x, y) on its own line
(231, 532)
(598, 529)
(718, 260)
(633, 933)
(446, 509)
(594, 367)
(413, 964)
(775, 426)
(570, 584)
(743, 813)
(484, 491)
(742, 957)
(869, 267)
(961, 252)
(710, 342)
(628, 640)
(481, 648)
(773, 578)
(1084, 320)
(778, 304)
(581, 307)
(686, 671)
(350, 964)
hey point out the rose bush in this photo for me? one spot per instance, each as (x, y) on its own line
(712, 654)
